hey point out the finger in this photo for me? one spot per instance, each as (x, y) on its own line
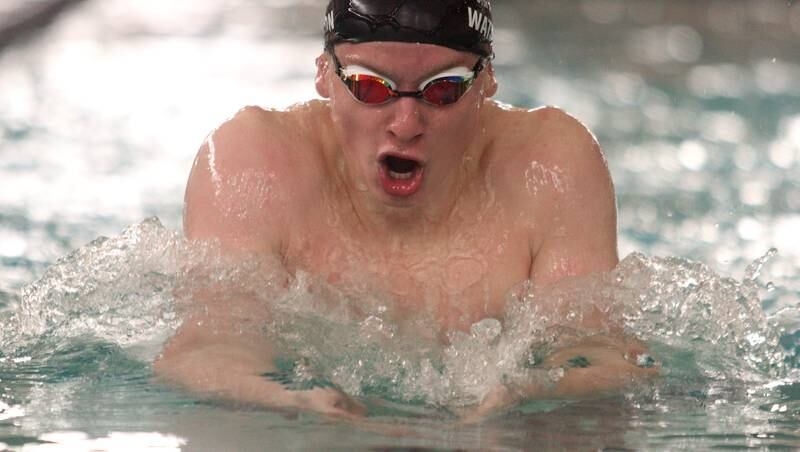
(350, 405)
(333, 403)
(336, 413)
(496, 399)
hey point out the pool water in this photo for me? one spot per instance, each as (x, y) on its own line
(697, 105)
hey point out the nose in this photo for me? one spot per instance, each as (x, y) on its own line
(407, 122)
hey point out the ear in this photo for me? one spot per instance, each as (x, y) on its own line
(321, 81)
(490, 85)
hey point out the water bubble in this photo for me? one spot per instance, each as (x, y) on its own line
(487, 330)
(755, 339)
(753, 271)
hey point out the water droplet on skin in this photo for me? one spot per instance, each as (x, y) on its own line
(556, 373)
(212, 164)
(538, 176)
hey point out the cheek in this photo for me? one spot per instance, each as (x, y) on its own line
(357, 127)
(345, 115)
(458, 128)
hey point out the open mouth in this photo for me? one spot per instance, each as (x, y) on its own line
(400, 168)
(400, 177)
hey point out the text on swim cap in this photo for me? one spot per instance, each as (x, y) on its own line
(481, 23)
(327, 22)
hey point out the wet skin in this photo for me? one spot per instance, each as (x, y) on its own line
(506, 195)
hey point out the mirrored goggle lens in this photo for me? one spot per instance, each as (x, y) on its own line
(446, 91)
(374, 90)
(369, 89)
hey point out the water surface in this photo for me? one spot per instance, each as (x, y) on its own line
(695, 103)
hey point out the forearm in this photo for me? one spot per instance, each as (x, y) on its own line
(215, 370)
(220, 370)
(233, 369)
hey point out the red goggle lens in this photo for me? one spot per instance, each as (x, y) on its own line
(374, 90)
(369, 89)
(445, 91)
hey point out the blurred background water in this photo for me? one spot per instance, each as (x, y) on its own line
(696, 103)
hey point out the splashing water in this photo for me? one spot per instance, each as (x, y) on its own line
(129, 292)
(116, 290)
(685, 305)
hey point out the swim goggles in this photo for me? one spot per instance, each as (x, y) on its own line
(370, 88)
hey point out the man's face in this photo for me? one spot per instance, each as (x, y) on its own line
(405, 152)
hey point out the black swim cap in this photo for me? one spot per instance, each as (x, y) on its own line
(464, 25)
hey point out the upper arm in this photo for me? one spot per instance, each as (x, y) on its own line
(235, 192)
(578, 234)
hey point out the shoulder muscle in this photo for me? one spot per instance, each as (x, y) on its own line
(238, 189)
(566, 194)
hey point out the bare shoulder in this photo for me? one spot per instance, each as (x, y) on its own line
(552, 171)
(550, 152)
(548, 135)
(247, 175)
(255, 137)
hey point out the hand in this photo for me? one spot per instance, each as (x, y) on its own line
(235, 374)
(313, 395)
(325, 401)
(497, 399)
(611, 364)
(595, 367)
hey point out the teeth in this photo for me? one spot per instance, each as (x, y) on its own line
(401, 176)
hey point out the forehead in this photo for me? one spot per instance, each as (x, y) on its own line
(401, 57)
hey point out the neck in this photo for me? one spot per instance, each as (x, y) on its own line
(428, 215)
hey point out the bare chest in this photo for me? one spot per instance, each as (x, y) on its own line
(459, 278)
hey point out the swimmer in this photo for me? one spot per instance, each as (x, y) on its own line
(408, 175)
